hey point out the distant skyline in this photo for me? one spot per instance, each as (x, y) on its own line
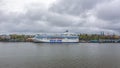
(81, 16)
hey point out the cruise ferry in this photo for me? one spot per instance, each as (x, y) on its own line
(56, 37)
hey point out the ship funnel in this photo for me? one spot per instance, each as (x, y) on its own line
(66, 31)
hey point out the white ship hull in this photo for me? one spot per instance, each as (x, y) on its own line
(56, 40)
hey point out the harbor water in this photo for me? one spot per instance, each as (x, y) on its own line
(59, 55)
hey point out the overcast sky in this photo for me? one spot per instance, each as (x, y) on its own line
(83, 16)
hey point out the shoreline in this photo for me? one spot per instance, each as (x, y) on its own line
(83, 38)
(54, 42)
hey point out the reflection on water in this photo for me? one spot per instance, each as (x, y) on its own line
(59, 55)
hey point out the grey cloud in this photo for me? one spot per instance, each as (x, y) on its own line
(66, 14)
(52, 18)
(109, 10)
(75, 7)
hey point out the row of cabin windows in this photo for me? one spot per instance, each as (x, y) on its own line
(58, 38)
